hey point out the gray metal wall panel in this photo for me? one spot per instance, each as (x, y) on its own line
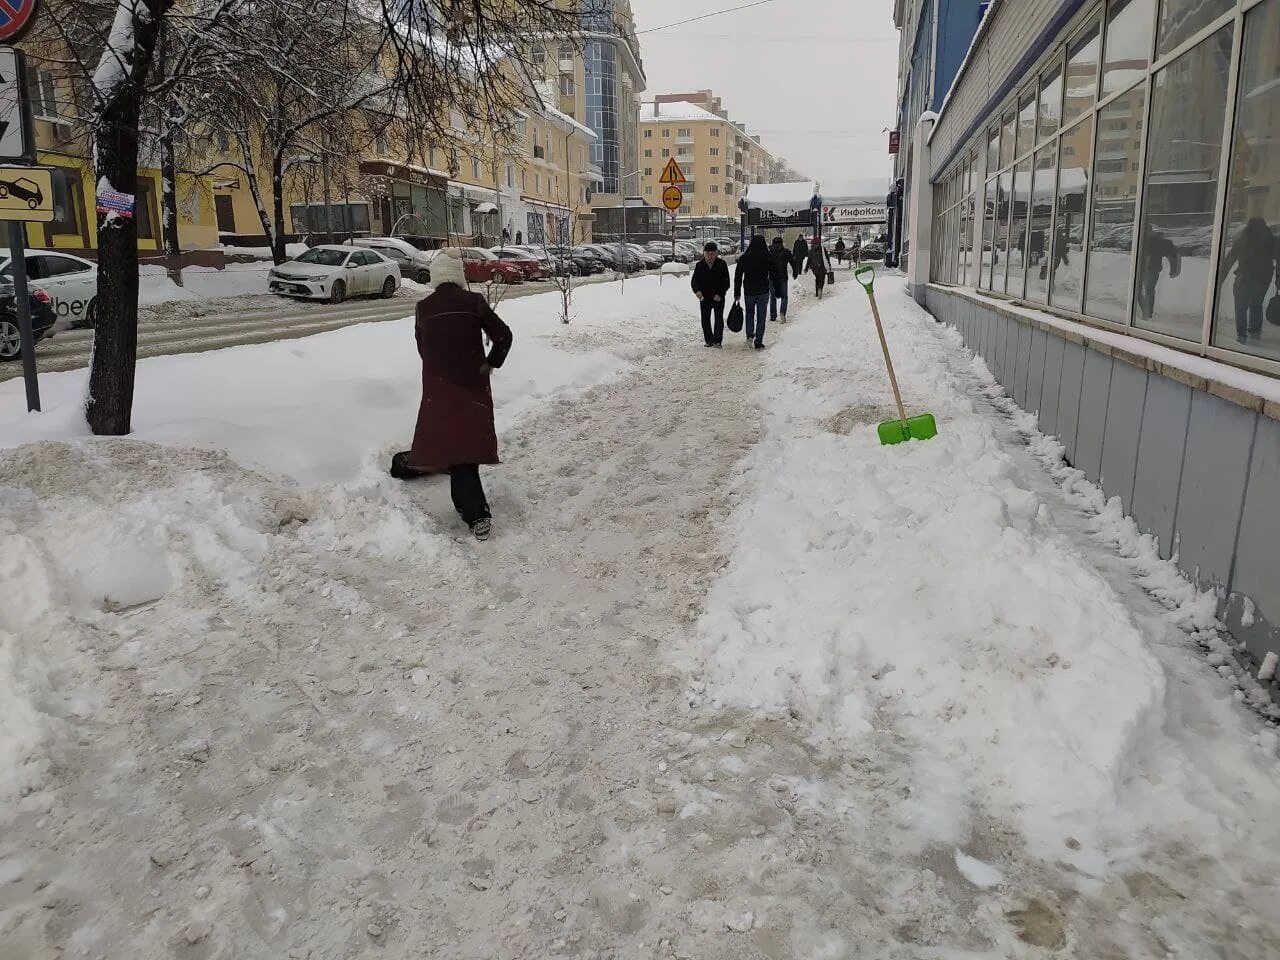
(1014, 28)
(1035, 372)
(1257, 573)
(1054, 350)
(1165, 416)
(1010, 362)
(1021, 360)
(1124, 423)
(1092, 424)
(1069, 397)
(1214, 472)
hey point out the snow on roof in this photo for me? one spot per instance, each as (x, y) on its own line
(855, 191)
(781, 198)
(543, 93)
(682, 110)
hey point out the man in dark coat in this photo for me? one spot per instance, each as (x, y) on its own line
(799, 254)
(1154, 249)
(754, 274)
(840, 249)
(780, 294)
(819, 266)
(710, 284)
(455, 430)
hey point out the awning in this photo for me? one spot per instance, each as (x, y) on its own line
(782, 198)
(487, 208)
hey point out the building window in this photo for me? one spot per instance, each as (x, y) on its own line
(455, 162)
(567, 86)
(511, 176)
(43, 94)
(1180, 20)
(715, 131)
(715, 171)
(648, 190)
(1245, 285)
(683, 132)
(1050, 108)
(144, 207)
(1066, 269)
(68, 200)
(666, 153)
(666, 132)
(1127, 50)
(648, 154)
(538, 56)
(1081, 88)
(715, 188)
(648, 171)
(1039, 238)
(380, 146)
(715, 151)
(565, 54)
(475, 169)
(714, 208)
(455, 119)
(685, 211)
(1188, 111)
(223, 141)
(648, 134)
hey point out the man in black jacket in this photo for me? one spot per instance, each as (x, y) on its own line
(710, 284)
(780, 293)
(799, 254)
(754, 273)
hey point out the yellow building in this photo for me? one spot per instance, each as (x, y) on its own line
(717, 156)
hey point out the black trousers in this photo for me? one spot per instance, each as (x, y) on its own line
(820, 281)
(709, 306)
(468, 493)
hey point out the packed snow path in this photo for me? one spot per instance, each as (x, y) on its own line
(302, 723)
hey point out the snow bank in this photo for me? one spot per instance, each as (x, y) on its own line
(928, 588)
(328, 408)
(201, 283)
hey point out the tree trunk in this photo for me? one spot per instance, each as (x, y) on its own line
(277, 207)
(169, 193)
(109, 407)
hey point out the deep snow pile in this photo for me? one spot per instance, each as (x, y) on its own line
(950, 593)
(326, 408)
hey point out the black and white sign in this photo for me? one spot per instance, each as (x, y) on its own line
(779, 221)
(848, 213)
(15, 142)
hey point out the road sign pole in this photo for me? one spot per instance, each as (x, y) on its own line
(22, 303)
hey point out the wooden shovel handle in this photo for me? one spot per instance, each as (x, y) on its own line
(888, 361)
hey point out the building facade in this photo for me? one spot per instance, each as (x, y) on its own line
(717, 156)
(1097, 210)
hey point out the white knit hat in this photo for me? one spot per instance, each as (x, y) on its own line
(447, 267)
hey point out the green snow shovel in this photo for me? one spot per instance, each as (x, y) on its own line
(894, 431)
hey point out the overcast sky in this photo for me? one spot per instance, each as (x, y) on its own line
(815, 78)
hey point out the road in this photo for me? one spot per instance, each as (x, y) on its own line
(194, 327)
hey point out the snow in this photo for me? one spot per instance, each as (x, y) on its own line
(113, 66)
(739, 673)
(201, 283)
(1267, 671)
(978, 873)
(679, 110)
(784, 198)
(291, 249)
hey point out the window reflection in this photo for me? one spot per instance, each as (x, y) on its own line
(1007, 138)
(1248, 302)
(988, 234)
(1188, 107)
(1067, 269)
(1128, 43)
(1040, 241)
(1026, 122)
(1115, 192)
(1000, 244)
(1050, 104)
(1182, 19)
(1081, 87)
(1019, 216)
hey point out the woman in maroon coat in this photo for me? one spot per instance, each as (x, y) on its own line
(455, 429)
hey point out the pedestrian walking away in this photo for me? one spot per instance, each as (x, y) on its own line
(753, 276)
(711, 285)
(840, 249)
(779, 292)
(819, 266)
(455, 431)
(1255, 255)
(799, 254)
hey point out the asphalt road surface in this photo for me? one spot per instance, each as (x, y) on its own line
(193, 327)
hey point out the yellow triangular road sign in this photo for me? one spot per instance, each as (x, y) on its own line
(672, 174)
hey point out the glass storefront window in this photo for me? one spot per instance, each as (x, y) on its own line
(1040, 241)
(1181, 19)
(1117, 158)
(1026, 122)
(993, 149)
(1066, 270)
(1188, 109)
(1050, 104)
(1081, 87)
(1128, 43)
(1007, 127)
(1019, 215)
(1000, 242)
(1249, 271)
(987, 258)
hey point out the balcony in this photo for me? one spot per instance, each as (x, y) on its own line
(685, 140)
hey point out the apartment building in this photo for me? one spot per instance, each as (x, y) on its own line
(718, 156)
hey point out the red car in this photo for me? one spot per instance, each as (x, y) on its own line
(481, 266)
(531, 268)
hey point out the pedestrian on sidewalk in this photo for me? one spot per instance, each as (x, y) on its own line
(840, 249)
(799, 254)
(819, 266)
(754, 274)
(711, 284)
(455, 430)
(779, 292)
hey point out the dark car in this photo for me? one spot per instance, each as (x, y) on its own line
(871, 251)
(588, 255)
(42, 320)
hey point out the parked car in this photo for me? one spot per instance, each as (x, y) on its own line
(649, 259)
(586, 253)
(414, 264)
(618, 257)
(871, 251)
(71, 283)
(333, 273)
(556, 261)
(43, 320)
(726, 244)
(530, 265)
(481, 266)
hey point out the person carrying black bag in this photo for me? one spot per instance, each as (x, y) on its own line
(710, 284)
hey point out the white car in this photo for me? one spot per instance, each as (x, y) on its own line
(333, 273)
(414, 264)
(71, 283)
